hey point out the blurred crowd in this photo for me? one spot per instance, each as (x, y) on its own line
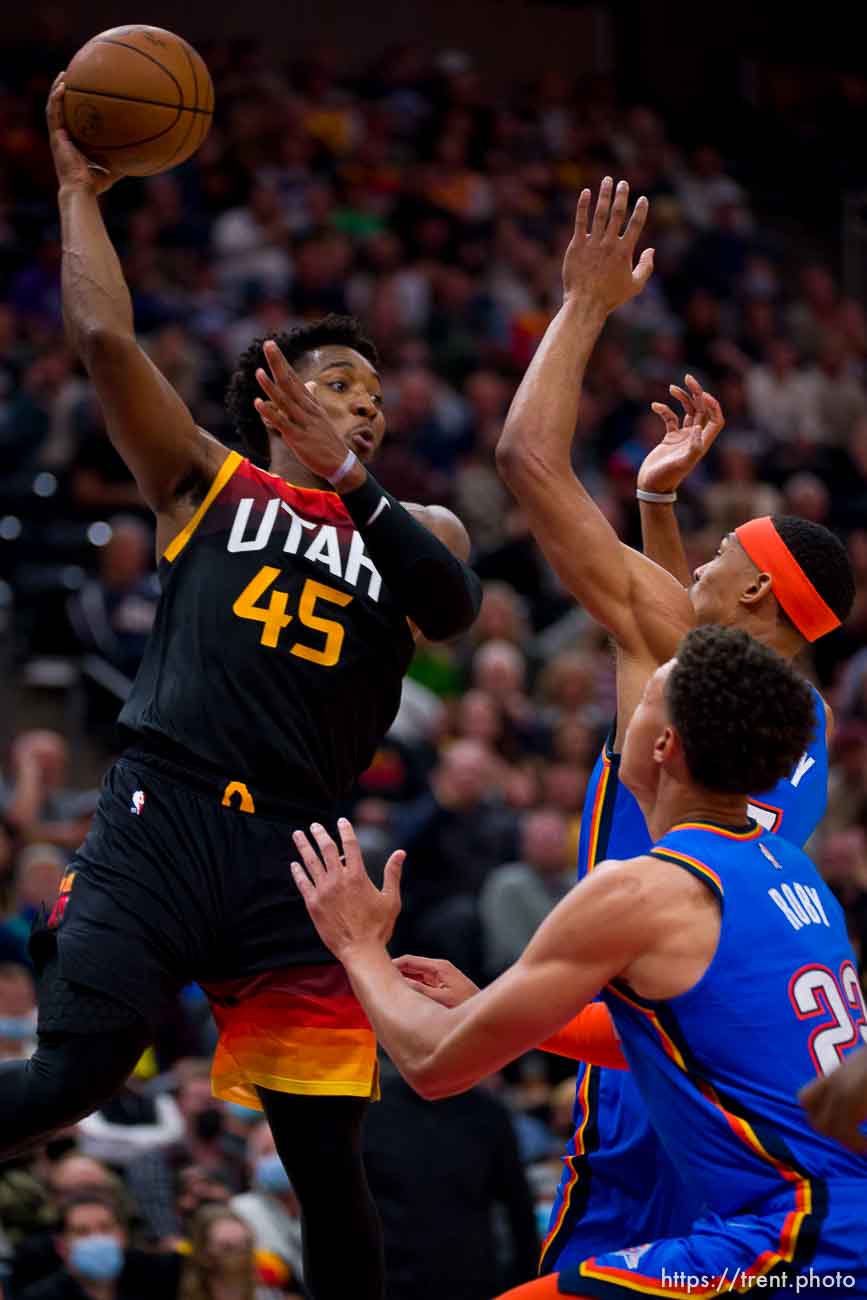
(410, 194)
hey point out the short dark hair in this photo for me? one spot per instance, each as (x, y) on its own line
(824, 560)
(342, 331)
(743, 714)
(91, 1196)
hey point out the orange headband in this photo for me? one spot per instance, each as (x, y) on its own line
(792, 588)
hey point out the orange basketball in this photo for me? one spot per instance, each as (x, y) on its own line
(138, 99)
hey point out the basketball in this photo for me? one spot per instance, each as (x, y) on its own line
(138, 99)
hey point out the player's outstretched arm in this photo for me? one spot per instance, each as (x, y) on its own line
(146, 420)
(683, 445)
(596, 932)
(590, 1036)
(639, 604)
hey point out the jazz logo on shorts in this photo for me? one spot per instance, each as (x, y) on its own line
(137, 802)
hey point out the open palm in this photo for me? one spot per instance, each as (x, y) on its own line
(685, 441)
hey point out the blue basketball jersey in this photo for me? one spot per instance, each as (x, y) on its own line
(618, 1186)
(719, 1067)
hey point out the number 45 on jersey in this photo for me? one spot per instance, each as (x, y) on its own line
(275, 619)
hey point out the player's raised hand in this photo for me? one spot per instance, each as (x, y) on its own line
(74, 171)
(346, 907)
(437, 979)
(598, 267)
(837, 1103)
(294, 413)
(684, 441)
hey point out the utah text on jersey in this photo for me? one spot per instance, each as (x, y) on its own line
(307, 539)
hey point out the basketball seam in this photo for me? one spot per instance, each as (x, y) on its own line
(150, 57)
(195, 109)
(136, 99)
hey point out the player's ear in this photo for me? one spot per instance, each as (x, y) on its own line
(661, 746)
(757, 589)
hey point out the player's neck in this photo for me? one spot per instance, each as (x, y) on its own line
(289, 467)
(676, 804)
(776, 636)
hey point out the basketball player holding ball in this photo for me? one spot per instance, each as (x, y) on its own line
(285, 626)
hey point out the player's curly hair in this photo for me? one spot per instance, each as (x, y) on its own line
(743, 714)
(824, 560)
(344, 331)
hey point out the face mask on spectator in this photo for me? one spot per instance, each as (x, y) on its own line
(243, 1113)
(98, 1258)
(209, 1123)
(270, 1176)
(18, 1027)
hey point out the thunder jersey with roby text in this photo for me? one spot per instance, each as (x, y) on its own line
(277, 653)
(618, 1185)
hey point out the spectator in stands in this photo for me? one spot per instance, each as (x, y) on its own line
(97, 1262)
(440, 1238)
(71, 1175)
(221, 1264)
(17, 1012)
(776, 391)
(455, 834)
(111, 616)
(517, 896)
(270, 1208)
(154, 1177)
(36, 800)
(36, 875)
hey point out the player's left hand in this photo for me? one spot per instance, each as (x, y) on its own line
(685, 442)
(437, 979)
(346, 907)
(837, 1103)
(294, 413)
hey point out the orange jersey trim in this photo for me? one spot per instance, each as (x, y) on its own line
(598, 809)
(667, 854)
(743, 1130)
(751, 832)
(584, 1103)
(224, 473)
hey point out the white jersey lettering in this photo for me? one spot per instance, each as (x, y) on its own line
(358, 559)
(237, 541)
(805, 762)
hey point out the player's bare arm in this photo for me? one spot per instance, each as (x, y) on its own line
(590, 1036)
(148, 423)
(684, 443)
(643, 608)
(642, 920)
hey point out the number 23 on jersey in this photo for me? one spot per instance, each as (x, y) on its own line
(275, 619)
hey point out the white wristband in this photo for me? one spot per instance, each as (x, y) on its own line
(656, 498)
(350, 461)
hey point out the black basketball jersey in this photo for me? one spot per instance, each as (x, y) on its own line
(277, 653)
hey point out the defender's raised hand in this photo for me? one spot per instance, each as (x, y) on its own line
(346, 907)
(598, 266)
(74, 170)
(685, 442)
